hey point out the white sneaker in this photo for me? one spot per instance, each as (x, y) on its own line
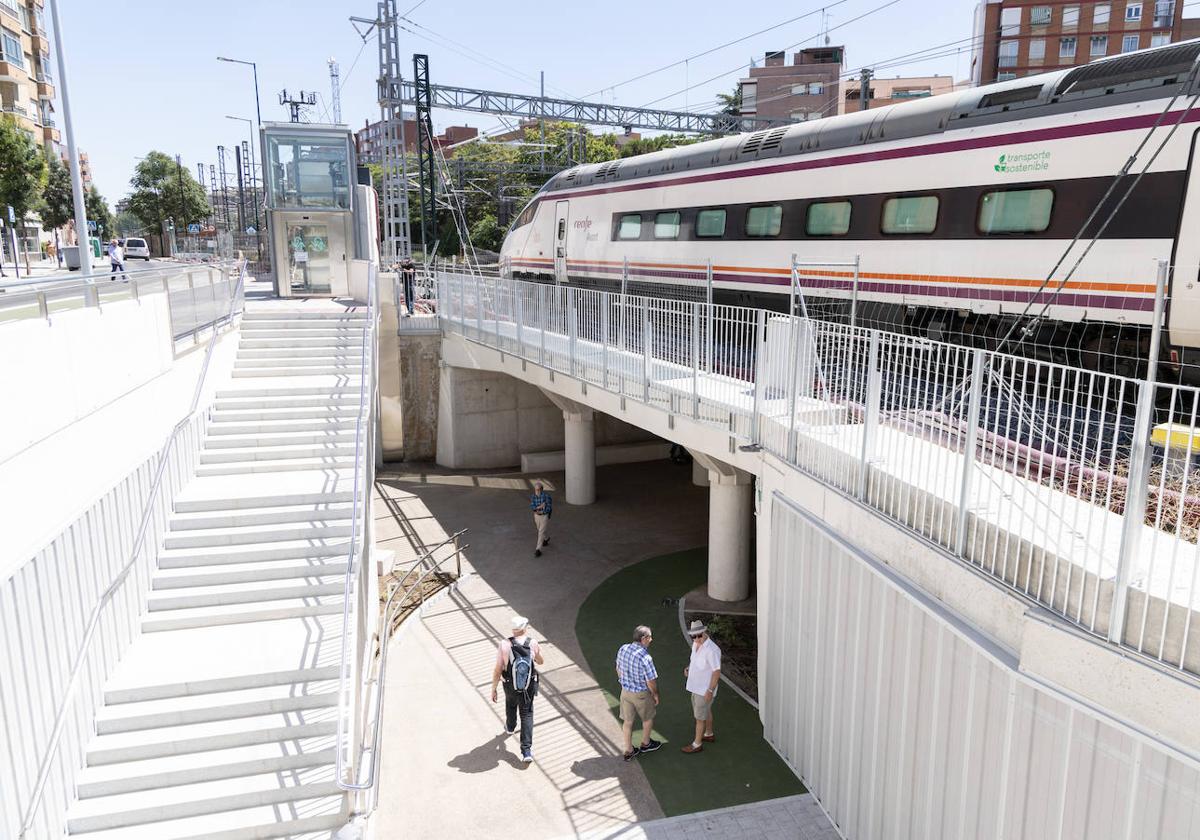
(526, 758)
(508, 731)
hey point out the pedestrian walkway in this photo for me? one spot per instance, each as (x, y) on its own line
(787, 818)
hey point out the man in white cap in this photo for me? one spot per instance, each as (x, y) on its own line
(703, 673)
(516, 661)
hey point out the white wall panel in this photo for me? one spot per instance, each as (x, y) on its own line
(907, 723)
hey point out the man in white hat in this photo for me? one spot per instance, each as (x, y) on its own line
(703, 673)
(516, 661)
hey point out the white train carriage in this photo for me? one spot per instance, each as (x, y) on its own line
(958, 205)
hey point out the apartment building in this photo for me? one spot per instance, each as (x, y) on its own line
(26, 79)
(806, 89)
(1020, 38)
(368, 140)
(893, 91)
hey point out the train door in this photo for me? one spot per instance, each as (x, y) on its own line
(560, 241)
(1183, 316)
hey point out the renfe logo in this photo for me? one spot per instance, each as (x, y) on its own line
(582, 224)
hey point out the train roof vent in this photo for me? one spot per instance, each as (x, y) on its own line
(571, 176)
(753, 143)
(607, 169)
(773, 138)
(1166, 62)
(1010, 97)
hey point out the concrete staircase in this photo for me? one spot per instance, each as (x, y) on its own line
(220, 720)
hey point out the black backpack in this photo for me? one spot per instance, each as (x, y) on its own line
(521, 673)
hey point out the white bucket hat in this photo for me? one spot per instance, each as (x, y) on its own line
(519, 622)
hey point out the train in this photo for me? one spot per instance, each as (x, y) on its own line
(966, 214)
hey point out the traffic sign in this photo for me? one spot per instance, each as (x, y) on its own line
(91, 225)
(193, 228)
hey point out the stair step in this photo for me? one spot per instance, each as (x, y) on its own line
(291, 341)
(207, 773)
(275, 795)
(250, 824)
(339, 360)
(230, 596)
(242, 468)
(284, 391)
(283, 427)
(357, 314)
(189, 501)
(251, 534)
(239, 694)
(349, 400)
(332, 370)
(227, 577)
(183, 717)
(299, 352)
(286, 550)
(333, 412)
(271, 440)
(278, 514)
(209, 743)
(276, 453)
(226, 616)
(223, 684)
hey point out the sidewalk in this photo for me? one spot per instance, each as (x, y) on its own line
(446, 769)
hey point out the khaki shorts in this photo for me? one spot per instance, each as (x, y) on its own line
(701, 707)
(639, 702)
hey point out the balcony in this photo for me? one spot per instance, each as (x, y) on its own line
(14, 108)
(45, 88)
(51, 134)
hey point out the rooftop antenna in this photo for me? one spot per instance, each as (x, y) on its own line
(297, 104)
(825, 25)
(336, 87)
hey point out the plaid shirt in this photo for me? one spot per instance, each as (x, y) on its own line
(541, 503)
(635, 666)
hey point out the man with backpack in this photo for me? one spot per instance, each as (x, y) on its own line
(517, 658)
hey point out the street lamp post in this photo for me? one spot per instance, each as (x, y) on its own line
(258, 116)
(254, 67)
(81, 228)
(253, 184)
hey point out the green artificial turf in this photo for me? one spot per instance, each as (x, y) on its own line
(740, 767)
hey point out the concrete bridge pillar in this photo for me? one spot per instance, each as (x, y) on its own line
(579, 440)
(730, 524)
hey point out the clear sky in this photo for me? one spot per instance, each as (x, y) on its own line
(144, 75)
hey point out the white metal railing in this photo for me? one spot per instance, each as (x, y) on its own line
(197, 295)
(354, 670)
(65, 698)
(1036, 472)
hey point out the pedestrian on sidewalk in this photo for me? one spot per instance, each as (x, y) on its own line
(408, 271)
(116, 256)
(703, 673)
(543, 508)
(639, 690)
(517, 658)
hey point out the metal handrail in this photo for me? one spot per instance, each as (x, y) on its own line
(363, 451)
(106, 598)
(428, 551)
(68, 282)
(385, 624)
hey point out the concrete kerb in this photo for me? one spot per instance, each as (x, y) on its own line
(724, 679)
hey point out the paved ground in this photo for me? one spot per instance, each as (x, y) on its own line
(788, 818)
(446, 771)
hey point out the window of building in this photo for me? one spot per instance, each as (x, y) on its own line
(1037, 49)
(828, 218)
(1039, 16)
(1129, 43)
(666, 225)
(1164, 13)
(1015, 211)
(630, 227)
(799, 116)
(1100, 14)
(1066, 48)
(749, 92)
(1160, 39)
(764, 221)
(1005, 77)
(1099, 45)
(1008, 53)
(1010, 21)
(1133, 12)
(10, 47)
(710, 223)
(910, 214)
(1070, 17)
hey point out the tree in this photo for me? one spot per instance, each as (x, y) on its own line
(58, 206)
(486, 234)
(98, 212)
(127, 224)
(22, 171)
(163, 190)
(643, 145)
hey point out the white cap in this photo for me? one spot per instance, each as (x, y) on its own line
(519, 622)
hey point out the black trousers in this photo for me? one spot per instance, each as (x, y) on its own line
(514, 702)
(409, 292)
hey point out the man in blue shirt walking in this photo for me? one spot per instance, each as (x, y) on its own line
(639, 690)
(542, 506)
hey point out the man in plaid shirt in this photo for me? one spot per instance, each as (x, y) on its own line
(543, 507)
(639, 690)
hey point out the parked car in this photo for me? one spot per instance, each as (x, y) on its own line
(137, 247)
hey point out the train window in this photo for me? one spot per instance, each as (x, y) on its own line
(631, 227)
(666, 225)
(828, 218)
(710, 223)
(910, 214)
(765, 220)
(1015, 211)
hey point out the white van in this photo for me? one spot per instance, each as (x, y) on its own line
(137, 247)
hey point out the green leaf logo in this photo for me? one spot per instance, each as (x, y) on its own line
(1001, 167)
